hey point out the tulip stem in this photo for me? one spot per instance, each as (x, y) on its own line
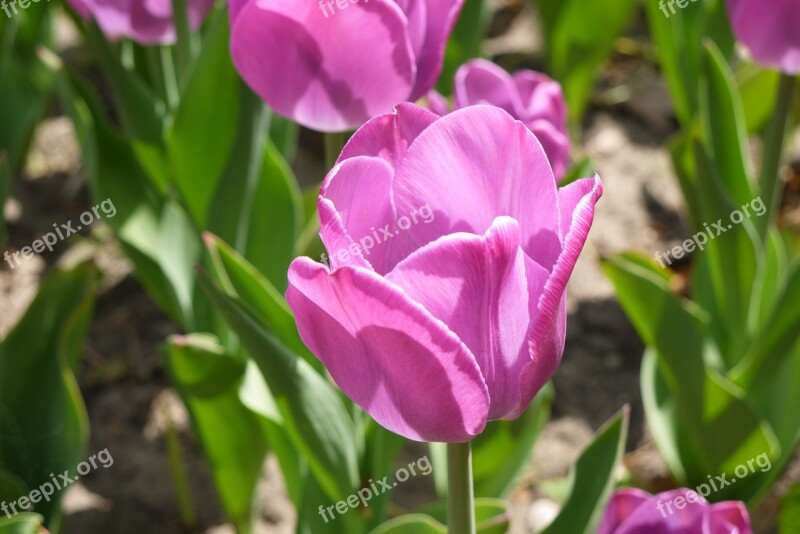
(774, 142)
(460, 493)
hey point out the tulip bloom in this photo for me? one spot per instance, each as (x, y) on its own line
(148, 22)
(332, 66)
(681, 511)
(450, 246)
(528, 96)
(769, 30)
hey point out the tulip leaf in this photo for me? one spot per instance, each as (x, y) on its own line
(492, 516)
(577, 46)
(502, 449)
(24, 523)
(758, 88)
(208, 380)
(5, 186)
(40, 401)
(203, 133)
(592, 479)
(313, 413)
(722, 429)
(724, 125)
(676, 37)
(411, 524)
(142, 112)
(465, 42)
(789, 517)
(242, 280)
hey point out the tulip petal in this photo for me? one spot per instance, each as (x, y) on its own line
(441, 17)
(621, 506)
(548, 331)
(470, 167)
(388, 354)
(482, 82)
(330, 74)
(730, 517)
(770, 33)
(357, 190)
(477, 286)
(389, 136)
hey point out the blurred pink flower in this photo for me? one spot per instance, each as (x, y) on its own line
(148, 22)
(529, 96)
(436, 327)
(680, 511)
(769, 30)
(332, 71)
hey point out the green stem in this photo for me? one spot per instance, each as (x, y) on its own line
(773, 150)
(170, 77)
(460, 494)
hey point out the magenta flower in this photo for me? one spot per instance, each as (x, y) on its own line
(681, 511)
(148, 22)
(333, 65)
(450, 249)
(529, 96)
(769, 31)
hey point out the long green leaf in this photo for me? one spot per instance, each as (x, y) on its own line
(313, 413)
(592, 479)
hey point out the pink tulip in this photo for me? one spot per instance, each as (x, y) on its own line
(529, 96)
(450, 249)
(681, 511)
(333, 65)
(769, 30)
(148, 22)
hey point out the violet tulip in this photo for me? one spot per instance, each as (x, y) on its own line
(333, 65)
(681, 511)
(529, 96)
(148, 22)
(450, 248)
(769, 30)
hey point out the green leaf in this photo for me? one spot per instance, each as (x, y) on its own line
(465, 42)
(593, 479)
(789, 518)
(5, 186)
(40, 401)
(411, 524)
(240, 279)
(208, 380)
(722, 429)
(142, 112)
(314, 415)
(492, 516)
(503, 448)
(202, 137)
(724, 126)
(24, 523)
(577, 46)
(581, 169)
(758, 88)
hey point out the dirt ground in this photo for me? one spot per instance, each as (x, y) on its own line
(130, 401)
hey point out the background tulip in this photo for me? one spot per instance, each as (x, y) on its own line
(148, 22)
(331, 66)
(769, 31)
(632, 511)
(529, 96)
(458, 319)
